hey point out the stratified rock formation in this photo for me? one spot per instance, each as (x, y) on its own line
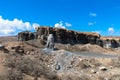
(111, 41)
(68, 36)
(25, 36)
(65, 36)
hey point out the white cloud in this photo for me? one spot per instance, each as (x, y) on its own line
(68, 24)
(111, 30)
(93, 14)
(61, 25)
(35, 25)
(12, 27)
(91, 23)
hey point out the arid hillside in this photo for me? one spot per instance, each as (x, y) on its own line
(30, 60)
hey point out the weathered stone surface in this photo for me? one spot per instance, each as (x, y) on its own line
(68, 36)
(113, 40)
(18, 49)
(25, 36)
(50, 42)
(1, 47)
(65, 36)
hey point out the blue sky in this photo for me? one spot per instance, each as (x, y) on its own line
(102, 16)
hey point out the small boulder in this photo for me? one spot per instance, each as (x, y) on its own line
(103, 68)
(93, 71)
(57, 67)
(2, 47)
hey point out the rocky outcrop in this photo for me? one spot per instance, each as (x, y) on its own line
(25, 36)
(3, 49)
(65, 36)
(68, 36)
(18, 49)
(110, 42)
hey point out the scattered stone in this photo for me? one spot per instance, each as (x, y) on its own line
(28, 52)
(57, 67)
(21, 51)
(103, 68)
(93, 71)
(32, 53)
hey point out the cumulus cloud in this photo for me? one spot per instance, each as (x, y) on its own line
(91, 23)
(12, 27)
(93, 14)
(111, 30)
(35, 25)
(61, 25)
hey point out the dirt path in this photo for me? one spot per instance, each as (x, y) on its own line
(96, 55)
(85, 54)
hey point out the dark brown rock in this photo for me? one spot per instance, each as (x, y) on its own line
(68, 36)
(25, 36)
(61, 35)
(65, 36)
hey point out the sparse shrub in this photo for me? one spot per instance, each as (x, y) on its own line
(87, 63)
(82, 64)
(74, 77)
(115, 77)
(35, 67)
(10, 62)
(15, 75)
(115, 62)
(12, 74)
(94, 62)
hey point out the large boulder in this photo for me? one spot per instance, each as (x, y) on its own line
(99, 42)
(114, 43)
(2, 47)
(61, 35)
(25, 36)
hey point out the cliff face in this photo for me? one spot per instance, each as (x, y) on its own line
(68, 36)
(112, 41)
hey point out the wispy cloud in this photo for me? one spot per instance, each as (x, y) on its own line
(93, 14)
(12, 27)
(62, 25)
(111, 30)
(68, 24)
(91, 23)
